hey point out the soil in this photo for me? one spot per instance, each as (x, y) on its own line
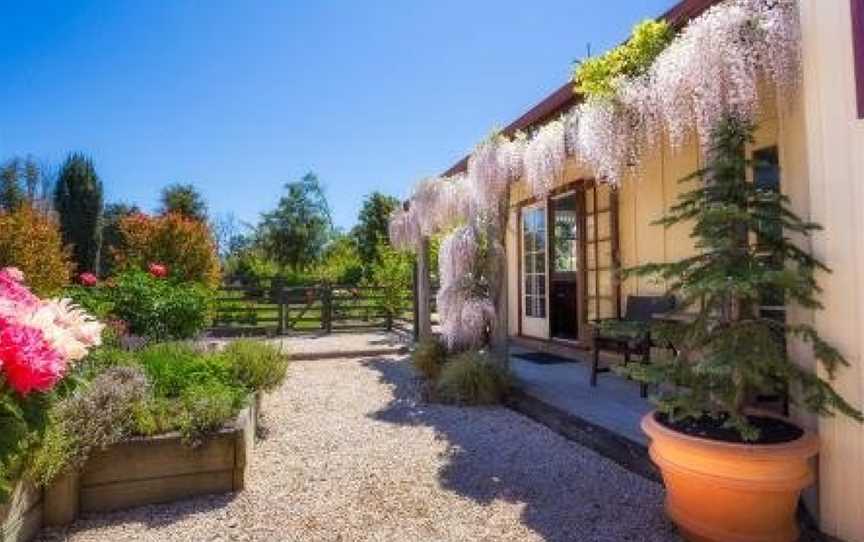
(771, 430)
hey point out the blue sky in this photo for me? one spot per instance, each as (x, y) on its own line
(239, 97)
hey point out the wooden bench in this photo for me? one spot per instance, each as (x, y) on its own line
(630, 335)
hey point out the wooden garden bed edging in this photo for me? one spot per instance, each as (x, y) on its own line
(21, 516)
(137, 472)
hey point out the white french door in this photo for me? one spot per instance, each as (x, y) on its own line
(534, 280)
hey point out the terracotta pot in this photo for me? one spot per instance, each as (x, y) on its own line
(727, 492)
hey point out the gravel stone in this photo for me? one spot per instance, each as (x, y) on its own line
(353, 454)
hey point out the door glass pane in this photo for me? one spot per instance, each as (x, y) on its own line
(566, 236)
(534, 248)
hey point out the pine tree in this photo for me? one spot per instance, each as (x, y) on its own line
(11, 194)
(183, 199)
(78, 201)
(742, 252)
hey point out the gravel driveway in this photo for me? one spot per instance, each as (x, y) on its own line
(351, 454)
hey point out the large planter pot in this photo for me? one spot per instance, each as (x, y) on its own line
(727, 492)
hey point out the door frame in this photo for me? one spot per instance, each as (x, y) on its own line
(544, 206)
(578, 185)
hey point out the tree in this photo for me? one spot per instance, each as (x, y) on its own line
(294, 234)
(745, 254)
(340, 262)
(371, 228)
(185, 200)
(78, 201)
(32, 178)
(11, 195)
(112, 237)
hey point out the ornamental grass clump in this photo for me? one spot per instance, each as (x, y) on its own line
(473, 378)
(428, 358)
(731, 352)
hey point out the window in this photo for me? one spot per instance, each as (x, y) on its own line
(766, 176)
(858, 44)
(565, 238)
(534, 264)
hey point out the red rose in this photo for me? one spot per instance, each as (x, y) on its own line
(158, 270)
(88, 279)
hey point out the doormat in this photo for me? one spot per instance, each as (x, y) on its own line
(542, 358)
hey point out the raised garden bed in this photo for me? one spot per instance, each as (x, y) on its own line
(136, 472)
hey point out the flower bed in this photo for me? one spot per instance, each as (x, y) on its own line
(136, 472)
(157, 469)
(91, 427)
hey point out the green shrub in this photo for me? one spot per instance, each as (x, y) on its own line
(473, 378)
(206, 408)
(428, 358)
(94, 417)
(256, 365)
(172, 367)
(160, 309)
(22, 422)
(96, 300)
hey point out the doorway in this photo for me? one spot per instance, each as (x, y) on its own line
(565, 259)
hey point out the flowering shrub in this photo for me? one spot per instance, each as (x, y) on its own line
(159, 308)
(31, 241)
(40, 339)
(172, 242)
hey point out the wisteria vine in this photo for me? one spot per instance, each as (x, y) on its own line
(711, 70)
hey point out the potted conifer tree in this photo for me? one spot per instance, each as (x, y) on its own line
(733, 473)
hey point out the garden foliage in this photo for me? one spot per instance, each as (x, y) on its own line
(473, 378)
(40, 343)
(159, 309)
(186, 246)
(78, 202)
(428, 358)
(162, 388)
(30, 240)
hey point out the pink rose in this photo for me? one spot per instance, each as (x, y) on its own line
(158, 270)
(88, 279)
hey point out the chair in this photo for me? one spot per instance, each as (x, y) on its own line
(630, 335)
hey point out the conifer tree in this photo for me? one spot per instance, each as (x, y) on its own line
(743, 251)
(78, 201)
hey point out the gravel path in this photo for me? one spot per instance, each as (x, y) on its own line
(350, 454)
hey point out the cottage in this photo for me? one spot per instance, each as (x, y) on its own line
(566, 242)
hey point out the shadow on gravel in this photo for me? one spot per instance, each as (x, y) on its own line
(153, 516)
(568, 493)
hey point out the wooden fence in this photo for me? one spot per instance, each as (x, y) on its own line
(271, 307)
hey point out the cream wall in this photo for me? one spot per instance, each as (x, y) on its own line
(835, 143)
(821, 145)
